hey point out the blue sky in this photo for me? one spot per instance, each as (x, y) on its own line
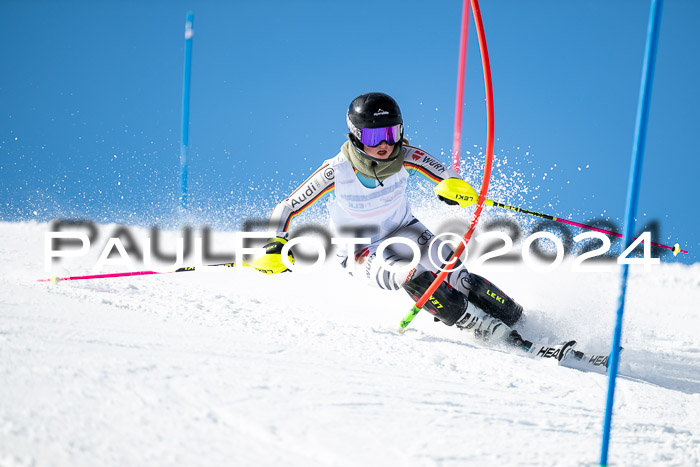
(90, 102)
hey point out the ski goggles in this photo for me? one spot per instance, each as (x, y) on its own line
(374, 136)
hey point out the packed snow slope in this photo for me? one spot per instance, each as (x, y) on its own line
(238, 368)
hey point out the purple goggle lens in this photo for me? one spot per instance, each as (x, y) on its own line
(373, 136)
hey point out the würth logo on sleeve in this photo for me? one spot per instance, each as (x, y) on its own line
(417, 154)
(435, 164)
(362, 256)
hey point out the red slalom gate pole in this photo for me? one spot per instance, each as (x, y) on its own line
(461, 71)
(487, 170)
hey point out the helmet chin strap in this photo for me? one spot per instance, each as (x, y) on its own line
(374, 168)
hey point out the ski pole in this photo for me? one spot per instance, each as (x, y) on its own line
(55, 279)
(460, 191)
(488, 85)
(675, 248)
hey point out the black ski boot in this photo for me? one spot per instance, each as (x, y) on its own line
(446, 304)
(452, 307)
(489, 297)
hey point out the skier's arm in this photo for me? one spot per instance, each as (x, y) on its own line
(417, 161)
(320, 183)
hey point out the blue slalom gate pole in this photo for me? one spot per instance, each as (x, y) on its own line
(631, 209)
(185, 140)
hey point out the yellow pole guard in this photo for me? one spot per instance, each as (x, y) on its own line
(460, 191)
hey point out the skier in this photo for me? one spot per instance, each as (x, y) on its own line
(367, 184)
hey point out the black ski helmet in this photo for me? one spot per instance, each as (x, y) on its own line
(372, 110)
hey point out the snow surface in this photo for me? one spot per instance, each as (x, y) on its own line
(237, 368)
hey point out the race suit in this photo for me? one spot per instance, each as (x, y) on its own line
(377, 213)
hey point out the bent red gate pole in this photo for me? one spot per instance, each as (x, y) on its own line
(461, 71)
(488, 85)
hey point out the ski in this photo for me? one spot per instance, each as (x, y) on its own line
(567, 356)
(597, 363)
(543, 351)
